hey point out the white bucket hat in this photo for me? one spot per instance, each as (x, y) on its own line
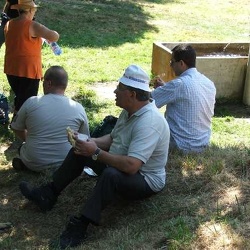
(136, 77)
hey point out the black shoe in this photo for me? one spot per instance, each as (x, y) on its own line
(18, 165)
(74, 234)
(44, 197)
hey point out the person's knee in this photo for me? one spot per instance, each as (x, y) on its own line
(111, 174)
(111, 171)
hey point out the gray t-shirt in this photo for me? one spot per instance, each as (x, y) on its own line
(46, 119)
(145, 136)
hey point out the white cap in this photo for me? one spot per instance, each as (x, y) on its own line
(136, 77)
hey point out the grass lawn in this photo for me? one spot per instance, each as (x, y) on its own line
(206, 202)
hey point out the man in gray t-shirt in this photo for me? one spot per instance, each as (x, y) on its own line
(42, 122)
(131, 160)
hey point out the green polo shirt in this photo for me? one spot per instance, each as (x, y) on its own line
(145, 136)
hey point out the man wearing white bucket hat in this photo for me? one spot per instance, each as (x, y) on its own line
(130, 161)
(135, 77)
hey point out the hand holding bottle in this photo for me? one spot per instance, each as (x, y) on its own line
(55, 48)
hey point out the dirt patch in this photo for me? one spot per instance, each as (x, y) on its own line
(105, 90)
(3, 148)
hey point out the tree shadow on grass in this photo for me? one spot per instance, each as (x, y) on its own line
(204, 189)
(236, 109)
(96, 24)
(197, 192)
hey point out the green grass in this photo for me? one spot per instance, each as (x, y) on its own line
(205, 204)
(107, 36)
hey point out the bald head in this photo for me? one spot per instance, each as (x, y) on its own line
(55, 80)
(58, 76)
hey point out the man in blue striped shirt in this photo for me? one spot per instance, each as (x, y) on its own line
(190, 100)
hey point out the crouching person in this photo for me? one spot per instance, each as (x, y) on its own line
(130, 161)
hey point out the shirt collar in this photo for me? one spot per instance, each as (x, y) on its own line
(189, 71)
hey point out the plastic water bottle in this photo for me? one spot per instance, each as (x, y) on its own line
(56, 48)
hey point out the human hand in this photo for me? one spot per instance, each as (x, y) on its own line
(157, 81)
(85, 148)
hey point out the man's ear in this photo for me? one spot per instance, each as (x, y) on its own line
(183, 64)
(133, 93)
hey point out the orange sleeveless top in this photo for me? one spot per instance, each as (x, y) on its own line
(22, 52)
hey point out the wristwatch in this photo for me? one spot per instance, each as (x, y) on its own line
(95, 155)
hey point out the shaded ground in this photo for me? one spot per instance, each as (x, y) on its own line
(187, 195)
(237, 110)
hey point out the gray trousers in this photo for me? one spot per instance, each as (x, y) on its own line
(111, 182)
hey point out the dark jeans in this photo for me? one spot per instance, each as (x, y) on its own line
(111, 183)
(23, 88)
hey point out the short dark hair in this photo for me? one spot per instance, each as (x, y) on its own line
(186, 53)
(58, 76)
(141, 95)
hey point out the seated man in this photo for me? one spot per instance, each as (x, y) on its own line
(42, 122)
(130, 161)
(190, 100)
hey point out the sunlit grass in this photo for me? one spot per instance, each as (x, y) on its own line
(205, 204)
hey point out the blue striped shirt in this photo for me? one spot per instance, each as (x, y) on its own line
(190, 100)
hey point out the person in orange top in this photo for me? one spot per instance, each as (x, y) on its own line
(23, 42)
(6, 15)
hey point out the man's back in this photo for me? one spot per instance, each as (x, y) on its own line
(46, 119)
(190, 100)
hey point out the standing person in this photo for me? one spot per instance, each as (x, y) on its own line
(190, 100)
(6, 15)
(131, 160)
(23, 41)
(42, 122)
